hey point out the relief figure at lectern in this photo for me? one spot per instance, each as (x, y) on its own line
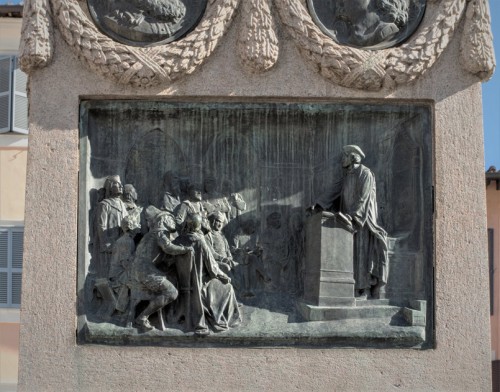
(207, 245)
(356, 197)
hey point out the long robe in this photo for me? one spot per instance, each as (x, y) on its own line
(109, 215)
(358, 198)
(219, 300)
(220, 248)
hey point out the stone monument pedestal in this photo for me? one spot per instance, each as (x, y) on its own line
(275, 137)
(329, 279)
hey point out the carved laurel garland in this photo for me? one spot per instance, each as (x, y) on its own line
(258, 42)
(142, 67)
(36, 46)
(476, 50)
(371, 70)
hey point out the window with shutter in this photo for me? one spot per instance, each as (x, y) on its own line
(19, 101)
(5, 93)
(13, 96)
(11, 263)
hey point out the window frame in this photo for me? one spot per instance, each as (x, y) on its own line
(7, 93)
(10, 270)
(14, 93)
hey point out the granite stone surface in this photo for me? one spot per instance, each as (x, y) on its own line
(51, 358)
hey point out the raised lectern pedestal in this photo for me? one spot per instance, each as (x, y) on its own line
(329, 276)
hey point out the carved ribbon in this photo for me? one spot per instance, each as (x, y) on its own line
(258, 44)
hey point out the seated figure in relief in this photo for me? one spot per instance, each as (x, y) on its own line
(218, 242)
(149, 254)
(370, 22)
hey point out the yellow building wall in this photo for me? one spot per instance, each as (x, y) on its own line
(12, 190)
(493, 208)
(9, 353)
(12, 183)
(10, 35)
(13, 154)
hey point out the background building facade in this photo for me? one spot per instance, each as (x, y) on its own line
(13, 155)
(493, 208)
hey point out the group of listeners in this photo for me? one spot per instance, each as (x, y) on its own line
(176, 254)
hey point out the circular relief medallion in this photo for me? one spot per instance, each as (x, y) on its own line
(368, 24)
(146, 22)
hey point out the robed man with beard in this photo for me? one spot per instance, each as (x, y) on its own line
(357, 198)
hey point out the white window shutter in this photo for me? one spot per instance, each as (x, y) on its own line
(20, 101)
(5, 96)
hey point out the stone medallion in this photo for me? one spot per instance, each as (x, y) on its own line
(146, 22)
(368, 24)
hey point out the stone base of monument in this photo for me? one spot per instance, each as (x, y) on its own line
(361, 310)
(283, 326)
(414, 314)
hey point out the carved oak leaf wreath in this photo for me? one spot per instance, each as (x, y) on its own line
(343, 65)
